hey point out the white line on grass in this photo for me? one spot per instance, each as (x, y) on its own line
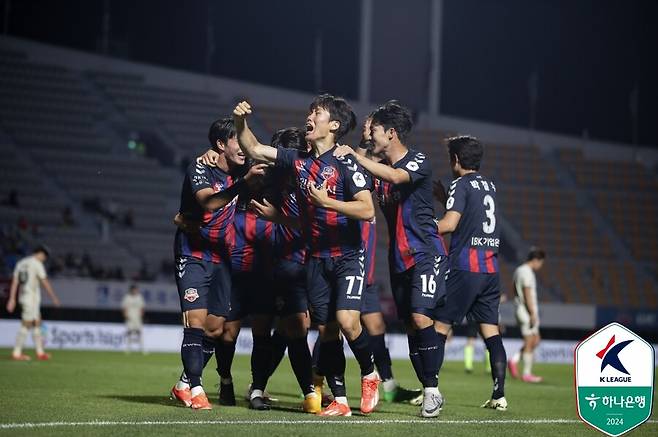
(288, 422)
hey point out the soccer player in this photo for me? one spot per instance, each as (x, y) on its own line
(371, 313)
(527, 314)
(132, 306)
(203, 256)
(333, 196)
(29, 275)
(417, 258)
(473, 281)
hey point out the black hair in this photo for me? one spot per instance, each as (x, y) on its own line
(42, 248)
(468, 149)
(221, 130)
(290, 138)
(536, 253)
(393, 115)
(133, 287)
(339, 110)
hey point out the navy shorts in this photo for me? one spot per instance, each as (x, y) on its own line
(420, 288)
(203, 285)
(251, 293)
(335, 284)
(370, 302)
(290, 288)
(472, 295)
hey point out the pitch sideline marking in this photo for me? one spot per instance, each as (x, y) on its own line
(290, 422)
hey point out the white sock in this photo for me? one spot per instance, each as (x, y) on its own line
(431, 390)
(341, 400)
(516, 357)
(390, 384)
(371, 375)
(182, 383)
(20, 340)
(527, 363)
(197, 390)
(38, 340)
(256, 394)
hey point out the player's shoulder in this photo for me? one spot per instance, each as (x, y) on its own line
(413, 161)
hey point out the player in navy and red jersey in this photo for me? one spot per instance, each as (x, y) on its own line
(472, 282)
(371, 313)
(333, 196)
(202, 256)
(417, 258)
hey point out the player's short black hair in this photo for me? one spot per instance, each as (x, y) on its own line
(468, 149)
(43, 249)
(393, 115)
(290, 138)
(132, 287)
(339, 110)
(222, 130)
(536, 253)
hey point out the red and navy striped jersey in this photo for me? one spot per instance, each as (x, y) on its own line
(409, 212)
(369, 237)
(215, 236)
(327, 233)
(253, 250)
(290, 244)
(474, 243)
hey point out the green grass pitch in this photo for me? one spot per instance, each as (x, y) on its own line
(108, 393)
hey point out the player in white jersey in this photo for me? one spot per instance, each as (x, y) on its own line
(132, 306)
(527, 314)
(29, 275)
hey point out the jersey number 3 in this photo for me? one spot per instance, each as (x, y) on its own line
(489, 226)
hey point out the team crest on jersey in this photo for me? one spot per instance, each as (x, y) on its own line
(191, 295)
(328, 172)
(217, 187)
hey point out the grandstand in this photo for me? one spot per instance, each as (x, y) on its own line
(65, 127)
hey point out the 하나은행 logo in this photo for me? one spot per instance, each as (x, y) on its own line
(618, 396)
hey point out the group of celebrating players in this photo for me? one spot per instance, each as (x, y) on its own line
(285, 233)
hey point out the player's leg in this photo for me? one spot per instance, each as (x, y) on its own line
(293, 303)
(348, 280)
(485, 311)
(232, 303)
(261, 358)
(531, 341)
(426, 288)
(193, 289)
(523, 321)
(23, 331)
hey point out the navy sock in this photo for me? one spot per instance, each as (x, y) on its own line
(208, 345)
(428, 345)
(381, 356)
(224, 353)
(191, 352)
(279, 345)
(261, 358)
(498, 360)
(363, 353)
(300, 360)
(331, 364)
(414, 356)
(315, 357)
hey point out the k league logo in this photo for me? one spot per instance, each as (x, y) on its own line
(614, 376)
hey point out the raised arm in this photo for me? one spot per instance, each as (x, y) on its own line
(248, 142)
